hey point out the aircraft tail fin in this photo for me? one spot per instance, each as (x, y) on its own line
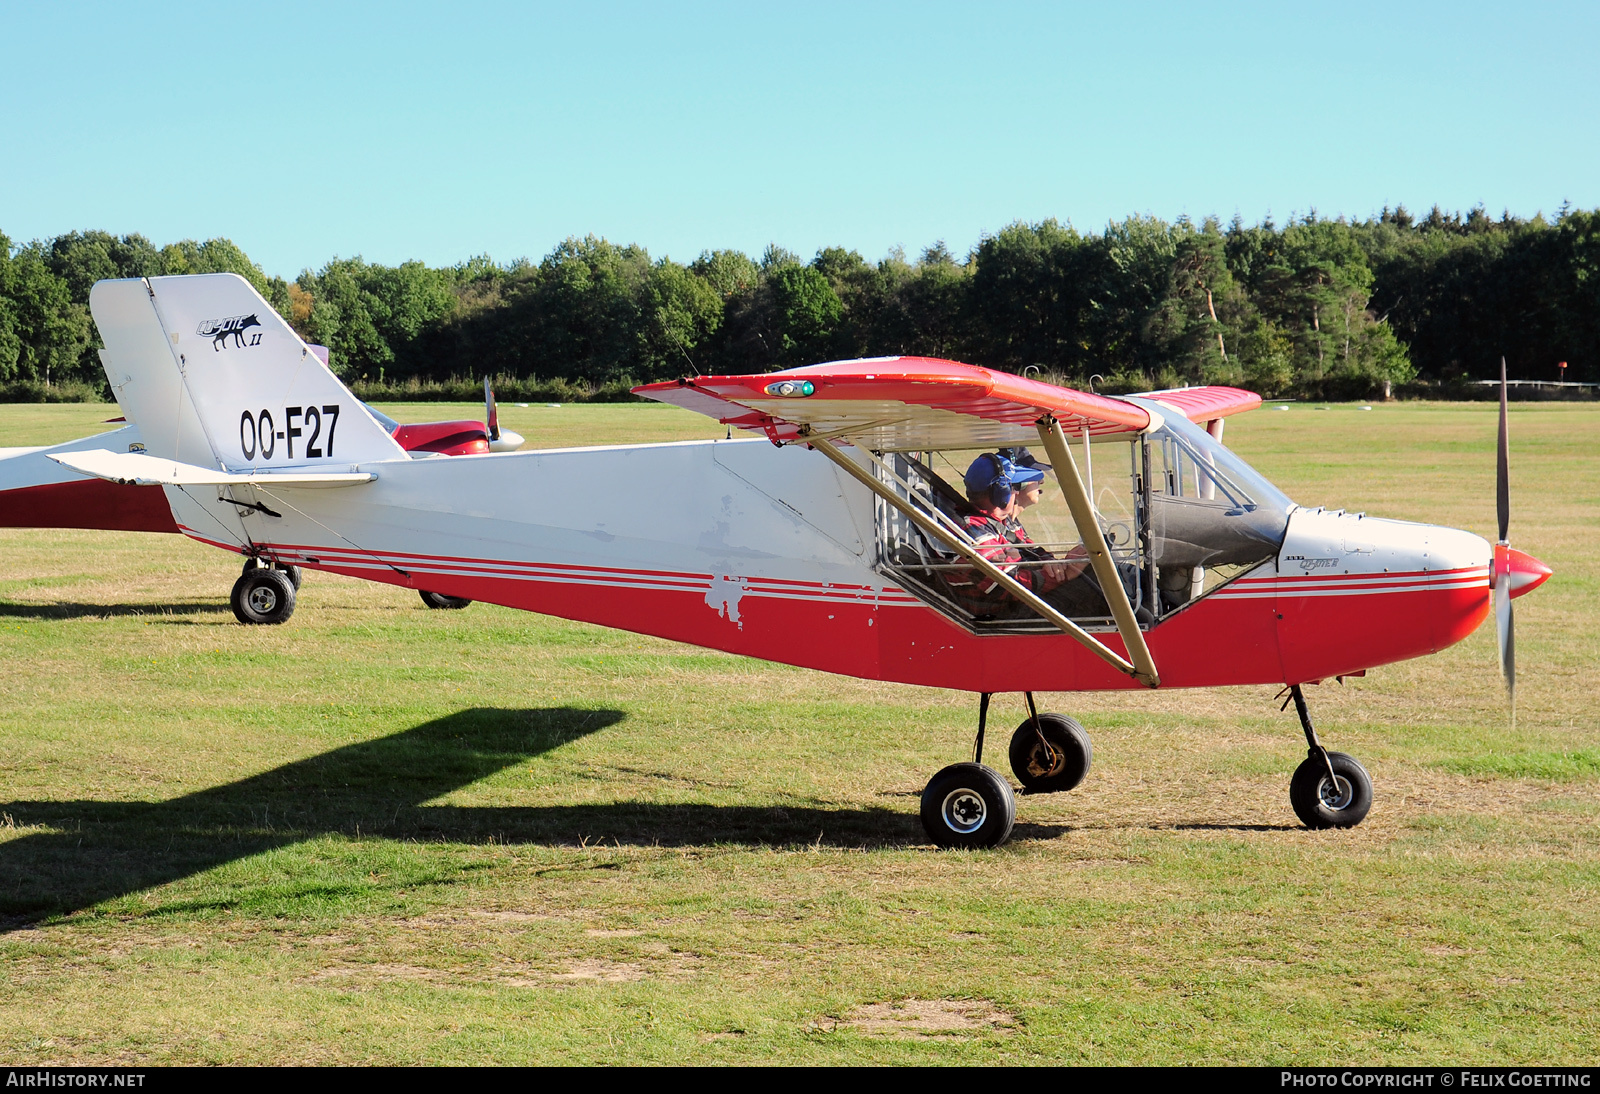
(215, 378)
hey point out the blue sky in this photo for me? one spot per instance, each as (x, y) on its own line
(304, 131)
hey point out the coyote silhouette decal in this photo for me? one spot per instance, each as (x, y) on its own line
(218, 331)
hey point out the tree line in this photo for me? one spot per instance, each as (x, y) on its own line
(1316, 307)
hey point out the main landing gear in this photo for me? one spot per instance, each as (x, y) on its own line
(441, 601)
(265, 592)
(1329, 789)
(970, 805)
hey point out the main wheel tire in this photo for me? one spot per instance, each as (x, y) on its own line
(293, 572)
(1060, 767)
(445, 603)
(263, 596)
(968, 805)
(1321, 802)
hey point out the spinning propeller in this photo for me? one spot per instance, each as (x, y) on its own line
(1514, 572)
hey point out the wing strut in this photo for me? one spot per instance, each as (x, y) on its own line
(1094, 540)
(963, 547)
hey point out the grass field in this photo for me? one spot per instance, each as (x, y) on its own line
(384, 834)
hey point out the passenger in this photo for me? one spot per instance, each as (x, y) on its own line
(1028, 492)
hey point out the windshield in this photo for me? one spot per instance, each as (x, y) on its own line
(1210, 515)
(1181, 514)
(1246, 481)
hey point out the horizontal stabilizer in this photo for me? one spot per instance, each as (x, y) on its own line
(141, 469)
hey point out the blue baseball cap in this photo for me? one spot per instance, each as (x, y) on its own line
(991, 470)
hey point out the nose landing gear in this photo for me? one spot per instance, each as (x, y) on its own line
(1329, 789)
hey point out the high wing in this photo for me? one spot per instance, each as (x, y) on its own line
(907, 404)
(1204, 404)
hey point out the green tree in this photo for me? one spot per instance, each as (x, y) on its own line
(43, 333)
(82, 258)
(680, 311)
(1317, 291)
(807, 313)
(726, 273)
(1201, 311)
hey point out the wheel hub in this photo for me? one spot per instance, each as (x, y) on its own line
(964, 811)
(1335, 793)
(263, 599)
(1044, 762)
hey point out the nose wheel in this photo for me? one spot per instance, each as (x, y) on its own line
(1329, 789)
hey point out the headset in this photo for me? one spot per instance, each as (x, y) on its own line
(991, 474)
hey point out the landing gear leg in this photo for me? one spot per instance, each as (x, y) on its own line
(969, 805)
(1329, 789)
(293, 573)
(983, 719)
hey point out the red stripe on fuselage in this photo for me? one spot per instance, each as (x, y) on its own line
(857, 630)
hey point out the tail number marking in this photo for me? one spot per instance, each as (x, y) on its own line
(259, 435)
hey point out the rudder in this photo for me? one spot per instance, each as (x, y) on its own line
(216, 378)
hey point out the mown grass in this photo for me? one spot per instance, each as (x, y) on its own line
(385, 834)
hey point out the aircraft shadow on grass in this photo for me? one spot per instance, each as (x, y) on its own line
(98, 850)
(66, 609)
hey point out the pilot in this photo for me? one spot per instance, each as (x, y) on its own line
(994, 486)
(1000, 488)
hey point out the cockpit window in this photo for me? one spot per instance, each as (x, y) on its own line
(1181, 514)
(1210, 515)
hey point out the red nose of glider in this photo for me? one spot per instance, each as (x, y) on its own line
(1527, 573)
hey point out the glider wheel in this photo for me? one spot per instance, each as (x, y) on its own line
(448, 603)
(1340, 802)
(1060, 766)
(263, 596)
(968, 805)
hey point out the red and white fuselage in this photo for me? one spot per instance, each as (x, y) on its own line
(740, 545)
(768, 552)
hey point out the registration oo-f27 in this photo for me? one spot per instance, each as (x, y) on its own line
(868, 527)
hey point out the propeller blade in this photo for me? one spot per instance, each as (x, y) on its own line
(1506, 632)
(493, 422)
(1502, 478)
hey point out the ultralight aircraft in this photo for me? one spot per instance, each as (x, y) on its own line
(834, 539)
